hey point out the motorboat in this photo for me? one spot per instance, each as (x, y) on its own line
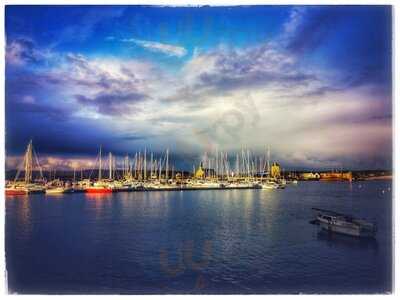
(344, 224)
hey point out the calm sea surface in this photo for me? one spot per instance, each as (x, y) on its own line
(238, 241)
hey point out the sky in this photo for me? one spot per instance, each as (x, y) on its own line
(311, 83)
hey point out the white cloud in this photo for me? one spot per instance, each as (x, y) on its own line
(230, 98)
(170, 50)
(229, 109)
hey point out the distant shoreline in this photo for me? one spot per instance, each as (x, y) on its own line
(385, 177)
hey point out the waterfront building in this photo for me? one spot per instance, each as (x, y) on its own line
(275, 170)
(199, 172)
(336, 176)
(310, 176)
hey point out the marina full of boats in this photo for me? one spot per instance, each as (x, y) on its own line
(143, 174)
(146, 173)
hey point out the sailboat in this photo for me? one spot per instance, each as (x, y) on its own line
(57, 187)
(58, 190)
(15, 189)
(99, 186)
(27, 186)
(268, 183)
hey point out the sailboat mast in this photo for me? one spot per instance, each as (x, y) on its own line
(237, 165)
(166, 167)
(110, 166)
(159, 169)
(151, 165)
(28, 163)
(145, 164)
(135, 165)
(100, 164)
(248, 163)
(268, 166)
(216, 163)
(209, 167)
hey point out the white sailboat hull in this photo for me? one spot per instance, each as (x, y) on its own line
(55, 191)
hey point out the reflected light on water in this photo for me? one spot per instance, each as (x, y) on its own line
(100, 204)
(152, 204)
(22, 204)
(247, 240)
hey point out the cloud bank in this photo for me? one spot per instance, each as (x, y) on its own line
(310, 113)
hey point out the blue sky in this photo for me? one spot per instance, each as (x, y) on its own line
(311, 83)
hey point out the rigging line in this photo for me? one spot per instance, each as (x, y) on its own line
(91, 170)
(19, 169)
(37, 161)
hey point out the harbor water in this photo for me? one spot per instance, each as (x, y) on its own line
(201, 242)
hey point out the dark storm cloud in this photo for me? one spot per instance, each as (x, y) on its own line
(28, 82)
(112, 103)
(22, 53)
(51, 112)
(255, 79)
(136, 137)
(72, 137)
(364, 60)
(79, 72)
(27, 94)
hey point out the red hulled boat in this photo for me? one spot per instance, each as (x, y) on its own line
(98, 189)
(14, 191)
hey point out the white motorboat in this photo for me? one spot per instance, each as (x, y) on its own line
(345, 224)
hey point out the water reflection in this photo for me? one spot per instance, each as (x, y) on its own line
(147, 242)
(151, 204)
(94, 196)
(340, 240)
(22, 206)
(100, 204)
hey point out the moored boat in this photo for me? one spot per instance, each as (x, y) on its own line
(58, 190)
(270, 185)
(15, 190)
(29, 185)
(100, 186)
(345, 224)
(35, 188)
(98, 189)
